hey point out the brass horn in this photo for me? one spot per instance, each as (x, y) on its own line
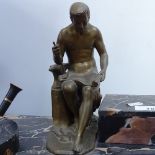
(11, 94)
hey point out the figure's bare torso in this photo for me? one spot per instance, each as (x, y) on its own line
(79, 47)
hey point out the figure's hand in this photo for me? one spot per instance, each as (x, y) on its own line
(56, 49)
(102, 75)
(100, 78)
(57, 54)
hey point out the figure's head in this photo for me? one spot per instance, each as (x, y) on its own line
(79, 14)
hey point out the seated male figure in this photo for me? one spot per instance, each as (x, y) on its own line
(82, 79)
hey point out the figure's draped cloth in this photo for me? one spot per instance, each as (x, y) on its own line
(85, 75)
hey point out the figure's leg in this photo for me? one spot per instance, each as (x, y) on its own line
(71, 97)
(85, 113)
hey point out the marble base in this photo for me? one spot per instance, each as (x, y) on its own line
(119, 105)
(33, 132)
(9, 140)
(124, 125)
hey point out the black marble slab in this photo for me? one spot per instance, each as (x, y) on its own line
(32, 134)
(33, 131)
(119, 104)
(114, 112)
(9, 141)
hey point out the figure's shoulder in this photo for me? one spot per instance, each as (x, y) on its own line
(93, 29)
(65, 31)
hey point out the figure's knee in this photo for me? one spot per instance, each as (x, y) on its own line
(69, 86)
(87, 97)
(87, 91)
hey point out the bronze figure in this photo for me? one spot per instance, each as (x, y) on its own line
(76, 87)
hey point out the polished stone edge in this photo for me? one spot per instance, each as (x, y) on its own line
(9, 138)
(33, 131)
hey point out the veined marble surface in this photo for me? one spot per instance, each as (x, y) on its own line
(127, 104)
(33, 134)
(114, 112)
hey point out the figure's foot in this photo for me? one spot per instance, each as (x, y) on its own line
(77, 144)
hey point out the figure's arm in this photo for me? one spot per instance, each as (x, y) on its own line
(58, 50)
(58, 53)
(99, 45)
